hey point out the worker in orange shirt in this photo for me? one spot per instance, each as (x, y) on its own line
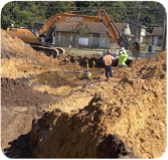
(108, 59)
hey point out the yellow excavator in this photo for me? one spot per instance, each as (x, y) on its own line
(41, 40)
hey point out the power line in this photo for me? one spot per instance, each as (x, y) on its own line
(103, 7)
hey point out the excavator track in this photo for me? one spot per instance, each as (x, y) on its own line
(49, 51)
(61, 50)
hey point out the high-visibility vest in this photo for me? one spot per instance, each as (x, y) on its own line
(108, 60)
(122, 59)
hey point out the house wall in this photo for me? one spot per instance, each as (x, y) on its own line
(103, 40)
(96, 40)
(113, 44)
(138, 33)
(148, 38)
(157, 40)
(127, 30)
(142, 34)
(64, 39)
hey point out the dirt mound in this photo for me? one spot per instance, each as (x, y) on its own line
(13, 47)
(81, 136)
(162, 56)
(154, 72)
(10, 48)
(159, 56)
(15, 93)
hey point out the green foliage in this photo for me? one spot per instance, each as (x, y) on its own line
(17, 13)
(53, 7)
(21, 12)
(81, 30)
(9, 12)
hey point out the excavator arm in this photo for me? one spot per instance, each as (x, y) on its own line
(70, 17)
(66, 17)
(103, 17)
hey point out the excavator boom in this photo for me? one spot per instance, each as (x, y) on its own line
(71, 17)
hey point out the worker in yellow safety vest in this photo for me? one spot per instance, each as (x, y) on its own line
(108, 59)
(122, 58)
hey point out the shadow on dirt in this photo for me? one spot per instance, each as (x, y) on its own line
(98, 60)
(19, 148)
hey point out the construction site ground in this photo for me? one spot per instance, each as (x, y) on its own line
(48, 111)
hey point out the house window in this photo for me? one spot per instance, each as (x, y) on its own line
(59, 36)
(143, 31)
(71, 37)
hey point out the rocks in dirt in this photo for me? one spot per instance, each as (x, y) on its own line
(15, 93)
(164, 66)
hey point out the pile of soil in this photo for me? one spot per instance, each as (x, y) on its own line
(162, 56)
(81, 136)
(11, 49)
(15, 93)
(57, 79)
(18, 58)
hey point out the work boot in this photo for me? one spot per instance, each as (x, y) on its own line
(107, 79)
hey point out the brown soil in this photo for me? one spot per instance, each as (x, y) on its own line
(15, 93)
(160, 57)
(13, 47)
(58, 79)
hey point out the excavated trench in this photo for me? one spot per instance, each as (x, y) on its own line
(99, 60)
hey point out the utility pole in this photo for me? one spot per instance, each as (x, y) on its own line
(164, 33)
(138, 17)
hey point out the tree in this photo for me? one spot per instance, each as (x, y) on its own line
(9, 13)
(53, 7)
(80, 30)
(19, 13)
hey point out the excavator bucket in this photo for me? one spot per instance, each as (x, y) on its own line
(135, 49)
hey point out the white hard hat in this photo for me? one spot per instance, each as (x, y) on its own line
(123, 49)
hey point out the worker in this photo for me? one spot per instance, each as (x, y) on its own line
(122, 58)
(108, 59)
